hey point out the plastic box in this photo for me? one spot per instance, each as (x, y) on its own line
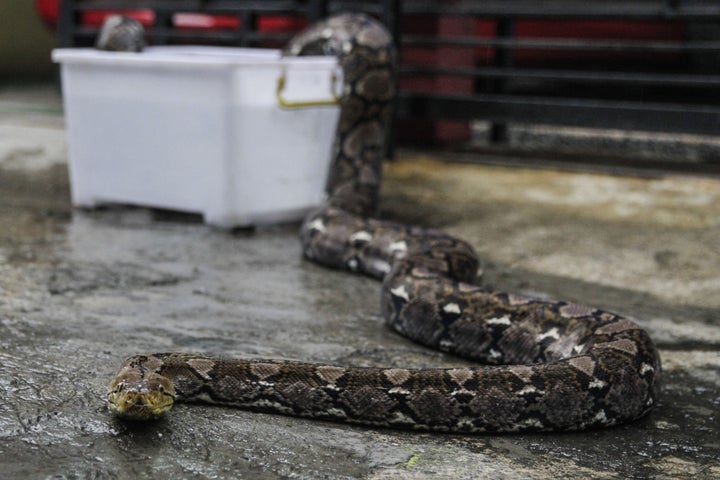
(241, 136)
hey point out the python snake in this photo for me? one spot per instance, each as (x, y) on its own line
(542, 366)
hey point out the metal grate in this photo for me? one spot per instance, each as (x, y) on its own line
(650, 65)
(636, 65)
(163, 20)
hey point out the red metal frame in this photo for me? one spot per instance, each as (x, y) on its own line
(48, 11)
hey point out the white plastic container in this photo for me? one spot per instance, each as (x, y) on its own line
(241, 136)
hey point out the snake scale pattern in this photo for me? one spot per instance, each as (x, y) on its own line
(542, 366)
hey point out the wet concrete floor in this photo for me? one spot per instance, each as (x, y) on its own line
(81, 290)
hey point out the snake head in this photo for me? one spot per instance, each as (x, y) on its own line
(140, 398)
(121, 34)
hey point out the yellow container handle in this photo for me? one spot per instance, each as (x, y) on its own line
(332, 101)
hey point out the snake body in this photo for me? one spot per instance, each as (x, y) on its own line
(541, 365)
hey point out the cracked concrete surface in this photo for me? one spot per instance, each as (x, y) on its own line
(81, 290)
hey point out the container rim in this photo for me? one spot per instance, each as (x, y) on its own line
(189, 56)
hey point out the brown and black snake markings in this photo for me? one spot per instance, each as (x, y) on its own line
(542, 366)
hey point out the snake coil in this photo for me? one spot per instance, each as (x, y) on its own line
(542, 365)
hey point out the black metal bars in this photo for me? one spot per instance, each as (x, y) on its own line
(71, 31)
(641, 65)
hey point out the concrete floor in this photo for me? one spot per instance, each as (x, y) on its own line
(81, 290)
